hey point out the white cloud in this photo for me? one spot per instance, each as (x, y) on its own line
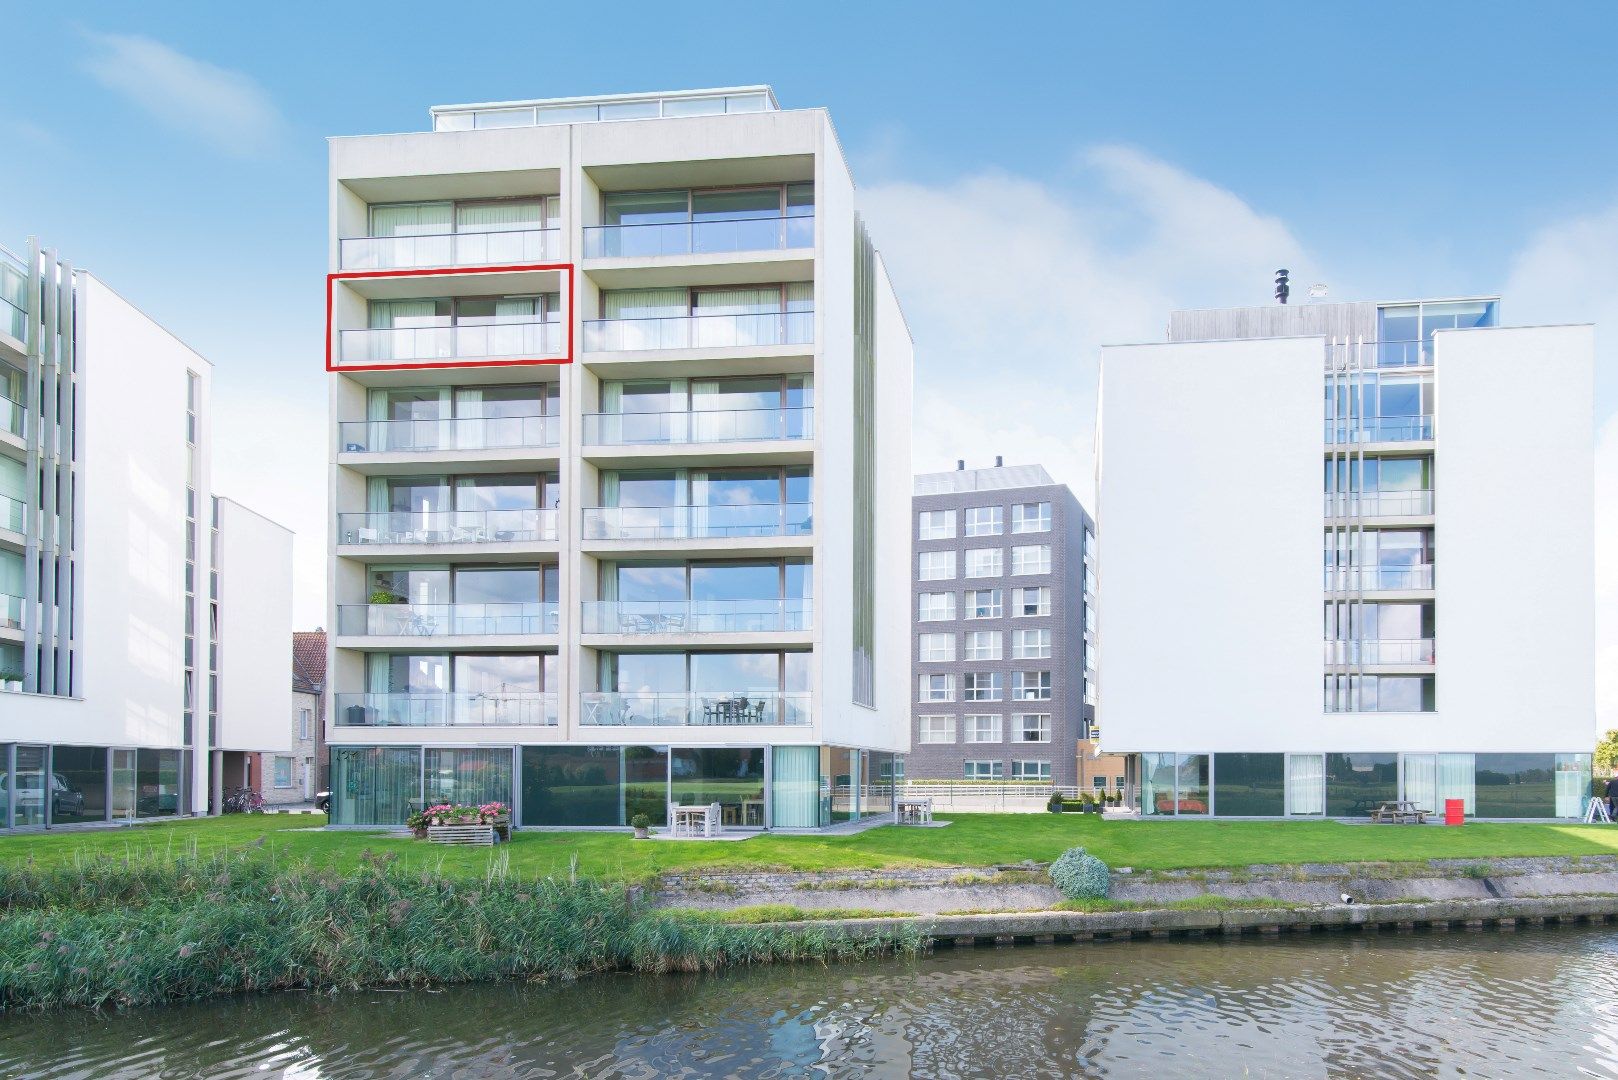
(224, 107)
(1012, 285)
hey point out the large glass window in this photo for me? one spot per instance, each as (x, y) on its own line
(594, 785)
(1516, 785)
(1249, 785)
(158, 783)
(877, 771)
(1356, 784)
(839, 777)
(78, 784)
(795, 787)
(374, 785)
(731, 777)
(470, 777)
(1432, 779)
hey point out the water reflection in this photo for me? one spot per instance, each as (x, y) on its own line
(1539, 1003)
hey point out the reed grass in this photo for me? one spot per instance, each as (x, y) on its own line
(135, 931)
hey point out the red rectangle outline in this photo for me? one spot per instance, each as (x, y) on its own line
(332, 279)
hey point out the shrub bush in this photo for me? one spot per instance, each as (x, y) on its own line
(1055, 805)
(1079, 875)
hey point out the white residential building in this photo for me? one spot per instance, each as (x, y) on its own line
(139, 614)
(1310, 619)
(620, 402)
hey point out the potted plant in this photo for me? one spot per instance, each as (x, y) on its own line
(417, 823)
(641, 824)
(1089, 802)
(383, 596)
(1055, 803)
(11, 680)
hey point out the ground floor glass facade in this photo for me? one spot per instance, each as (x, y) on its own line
(42, 785)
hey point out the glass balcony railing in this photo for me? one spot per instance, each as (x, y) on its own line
(13, 514)
(700, 332)
(458, 433)
(1379, 354)
(445, 620)
(511, 341)
(1372, 504)
(447, 527)
(770, 232)
(706, 426)
(13, 417)
(696, 522)
(1390, 651)
(505, 247)
(697, 616)
(447, 710)
(1370, 429)
(10, 611)
(697, 709)
(1379, 578)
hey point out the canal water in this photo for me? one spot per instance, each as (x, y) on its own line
(1533, 1003)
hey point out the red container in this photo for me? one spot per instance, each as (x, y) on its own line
(1454, 811)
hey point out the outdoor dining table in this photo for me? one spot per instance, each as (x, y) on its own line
(693, 820)
(914, 810)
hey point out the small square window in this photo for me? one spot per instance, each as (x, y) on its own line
(1035, 559)
(935, 729)
(935, 525)
(1031, 517)
(935, 648)
(983, 604)
(981, 729)
(983, 645)
(1034, 727)
(985, 520)
(935, 565)
(984, 562)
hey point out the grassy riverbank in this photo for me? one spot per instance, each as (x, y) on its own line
(970, 840)
(105, 931)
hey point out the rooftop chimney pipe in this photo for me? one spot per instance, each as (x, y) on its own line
(1282, 288)
(998, 461)
(960, 465)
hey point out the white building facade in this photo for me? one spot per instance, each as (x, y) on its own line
(1309, 613)
(620, 402)
(129, 659)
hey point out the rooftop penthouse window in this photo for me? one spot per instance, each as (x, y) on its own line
(748, 99)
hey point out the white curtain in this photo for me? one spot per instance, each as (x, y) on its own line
(1421, 781)
(697, 484)
(644, 303)
(1572, 784)
(800, 295)
(738, 301)
(376, 673)
(1306, 783)
(377, 499)
(500, 216)
(411, 219)
(1456, 779)
(468, 426)
(795, 787)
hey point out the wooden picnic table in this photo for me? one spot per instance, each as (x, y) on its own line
(1402, 812)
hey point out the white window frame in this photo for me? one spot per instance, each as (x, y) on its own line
(1039, 523)
(935, 566)
(1041, 727)
(985, 520)
(1042, 601)
(1020, 769)
(971, 770)
(1040, 554)
(929, 687)
(994, 688)
(985, 562)
(275, 771)
(935, 648)
(983, 729)
(1040, 649)
(982, 645)
(998, 608)
(943, 612)
(935, 525)
(306, 724)
(1043, 686)
(1099, 783)
(935, 729)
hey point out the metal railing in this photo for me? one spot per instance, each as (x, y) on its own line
(1384, 578)
(695, 709)
(500, 247)
(703, 426)
(635, 617)
(453, 433)
(446, 620)
(447, 527)
(446, 710)
(474, 341)
(770, 232)
(700, 331)
(11, 611)
(1413, 503)
(1372, 429)
(13, 514)
(696, 522)
(1383, 651)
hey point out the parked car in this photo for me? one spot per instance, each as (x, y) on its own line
(323, 801)
(66, 800)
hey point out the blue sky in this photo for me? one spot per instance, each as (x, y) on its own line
(1140, 156)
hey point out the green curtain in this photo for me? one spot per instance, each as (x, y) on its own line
(374, 785)
(738, 300)
(411, 219)
(795, 787)
(468, 777)
(644, 303)
(500, 216)
(385, 313)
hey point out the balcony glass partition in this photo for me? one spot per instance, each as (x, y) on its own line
(465, 328)
(1378, 487)
(443, 690)
(418, 601)
(672, 411)
(473, 233)
(481, 508)
(707, 318)
(752, 596)
(13, 391)
(460, 418)
(700, 689)
(1359, 633)
(13, 301)
(656, 223)
(1379, 407)
(663, 504)
(1378, 559)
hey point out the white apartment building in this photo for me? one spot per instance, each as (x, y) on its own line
(1309, 613)
(620, 402)
(140, 615)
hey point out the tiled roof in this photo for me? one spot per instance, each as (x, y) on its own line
(309, 661)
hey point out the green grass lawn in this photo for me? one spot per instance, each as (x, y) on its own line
(970, 840)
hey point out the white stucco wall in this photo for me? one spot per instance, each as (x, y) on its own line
(255, 630)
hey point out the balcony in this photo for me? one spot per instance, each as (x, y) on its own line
(697, 522)
(13, 514)
(652, 617)
(13, 296)
(699, 709)
(1378, 429)
(447, 527)
(770, 232)
(707, 426)
(427, 344)
(507, 247)
(1373, 653)
(700, 332)
(13, 417)
(458, 433)
(445, 620)
(1379, 578)
(446, 710)
(10, 612)
(1379, 504)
